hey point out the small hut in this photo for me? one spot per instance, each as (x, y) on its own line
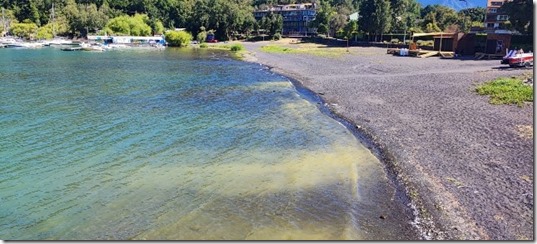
(445, 44)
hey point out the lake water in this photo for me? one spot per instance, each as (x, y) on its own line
(178, 144)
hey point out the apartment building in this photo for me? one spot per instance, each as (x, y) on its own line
(495, 20)
(296, 18)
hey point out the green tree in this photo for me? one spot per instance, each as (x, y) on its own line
(520, 14)
(276, 24)
(376, 17)
(323, 16)
(202, 35)
(119, 26)
(405, 13)
(26, 30)
(339, 18)
(351, 29)
(44, 32)
(443, 16)
(475, 14)
(158, 27)
(57, 27)
(178, 38)
(129, 25)
(27, 10)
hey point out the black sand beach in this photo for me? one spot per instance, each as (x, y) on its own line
(466, 165)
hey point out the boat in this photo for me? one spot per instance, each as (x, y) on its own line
(8, 40)
(24, 45)
(518, 59)
(60, 42)
(94, 47)
(71, 48)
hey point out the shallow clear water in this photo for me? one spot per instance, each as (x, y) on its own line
(176, 144)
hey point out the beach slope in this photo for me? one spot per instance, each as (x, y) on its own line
(466, 165)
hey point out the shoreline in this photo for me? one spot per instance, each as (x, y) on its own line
(451, 220)
(365, 138)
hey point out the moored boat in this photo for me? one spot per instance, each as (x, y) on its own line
(94, 47)
(71, 48)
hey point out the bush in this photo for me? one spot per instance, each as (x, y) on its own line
(24, 30)
(178, 38)
(202, 36)
(237, 47)
(277, 36)
(394, 41)
(204, 45)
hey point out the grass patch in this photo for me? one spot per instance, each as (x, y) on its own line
(237, 50)
(506, 91)
(305, 49)
(236, 47)
(277, 49)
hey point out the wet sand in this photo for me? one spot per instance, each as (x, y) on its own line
(466, 165)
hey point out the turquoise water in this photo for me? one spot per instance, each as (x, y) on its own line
(177, 144)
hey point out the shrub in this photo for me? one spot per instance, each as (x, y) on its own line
(237, 47)
(394, 41)
(24, 30)
(277, 36)
(204, 45)
(178, 38)
(202, 37)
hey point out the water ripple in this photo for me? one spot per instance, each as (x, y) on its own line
(178, 144)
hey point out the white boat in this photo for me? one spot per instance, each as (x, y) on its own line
(117, 46)
(8, 40)
(95, 47)
(31, 45)
(58, 42)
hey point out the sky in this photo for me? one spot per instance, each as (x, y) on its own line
(456, 4)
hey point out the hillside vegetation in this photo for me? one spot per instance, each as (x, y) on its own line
(229, 19)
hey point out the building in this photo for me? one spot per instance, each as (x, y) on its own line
(296, 18)
(129, 40)
(495, 20)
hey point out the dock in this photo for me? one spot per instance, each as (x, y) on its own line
(421, 53)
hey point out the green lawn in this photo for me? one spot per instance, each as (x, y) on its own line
(332, 52)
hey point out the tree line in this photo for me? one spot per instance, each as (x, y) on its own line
(38, 19)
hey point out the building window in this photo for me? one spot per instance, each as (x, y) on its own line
(497, 3)
(502, 17)
(492, 10)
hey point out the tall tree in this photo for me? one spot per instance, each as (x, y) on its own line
(376, 17)
(322, 19)
(405, 14)
(443, 16)
(475, 14)
(520, 14)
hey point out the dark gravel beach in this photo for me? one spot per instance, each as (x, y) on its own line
(466, 165)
